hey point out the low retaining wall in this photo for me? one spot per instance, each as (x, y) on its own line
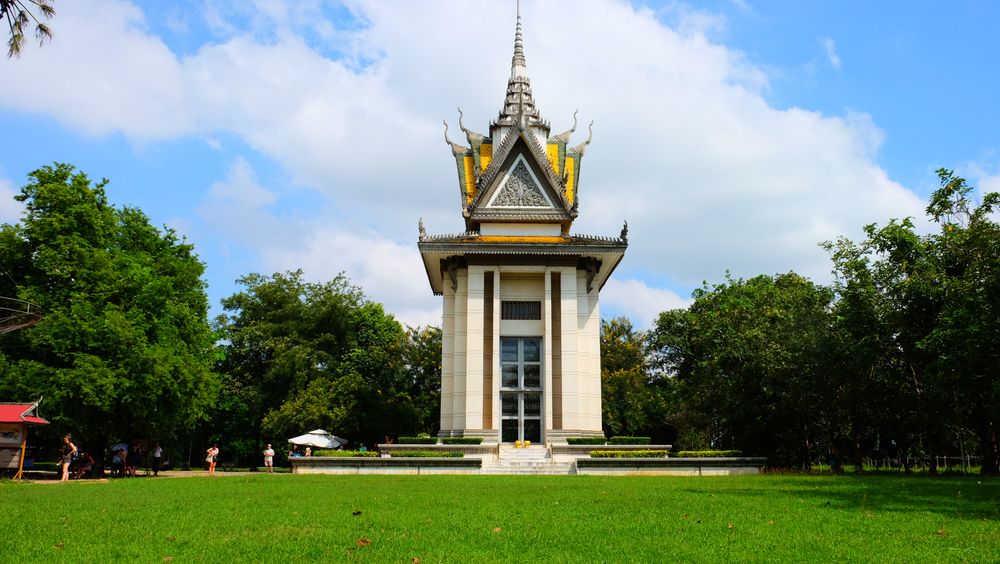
(377, 465)
(584, 450)
(479, 449)
(671, 466)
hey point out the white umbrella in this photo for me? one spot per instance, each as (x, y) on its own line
(318, 438)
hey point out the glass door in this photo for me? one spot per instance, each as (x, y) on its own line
(521, 389)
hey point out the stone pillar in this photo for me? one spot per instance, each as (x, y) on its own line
(473, 406)
(461, 358)
(547, 356)
(447, 358)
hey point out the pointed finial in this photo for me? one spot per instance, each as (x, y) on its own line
(624, 234)
(518, 65)
(420, 229)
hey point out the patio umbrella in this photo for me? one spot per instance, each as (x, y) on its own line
(119, 446)
(318, 438)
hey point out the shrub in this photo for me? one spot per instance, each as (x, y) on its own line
(325, 452)
(628, 454)
(586, 440)
(707, 453)
(427, 454)
(462, 440)
(629, 441)
(417, 440)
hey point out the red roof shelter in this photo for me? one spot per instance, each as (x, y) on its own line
(14, 421)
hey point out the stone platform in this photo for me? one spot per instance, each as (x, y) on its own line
(551, 460)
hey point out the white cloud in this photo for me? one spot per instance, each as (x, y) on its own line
(685, 146)
(10, 209)
(640, 302)
(830, 48)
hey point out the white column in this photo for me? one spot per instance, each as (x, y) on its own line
(497, 377)
(590, 400)
(547, 356)
(461, 339)
(447, 356)
(570, 349)
(474, 350)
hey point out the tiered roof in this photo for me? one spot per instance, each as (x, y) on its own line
(522, 184)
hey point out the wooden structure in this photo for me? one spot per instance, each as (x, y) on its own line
(15, 418)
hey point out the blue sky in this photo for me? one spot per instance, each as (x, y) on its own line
(733, 135)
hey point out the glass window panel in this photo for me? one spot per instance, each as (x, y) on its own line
(509, 372)
(508, 350)
(508, 430)
(532, 405)
(533, 430)
(532, 376)
(508, 404)
(532, 350)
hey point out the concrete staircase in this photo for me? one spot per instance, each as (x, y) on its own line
(534, 460)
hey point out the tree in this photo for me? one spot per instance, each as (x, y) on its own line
(306, 355)
(422, 358)
(633, 402)
(124, 349)
(752, 363)
(923, 312)
(20, 16)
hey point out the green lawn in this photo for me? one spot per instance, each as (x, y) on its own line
(503, 518)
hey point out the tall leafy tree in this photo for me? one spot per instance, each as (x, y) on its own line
(633, 399)
(124, 348)
(306, 355)
(751, 361)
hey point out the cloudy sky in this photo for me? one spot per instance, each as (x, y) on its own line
(732, 135)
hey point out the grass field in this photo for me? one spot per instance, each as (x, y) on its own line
(503, 518)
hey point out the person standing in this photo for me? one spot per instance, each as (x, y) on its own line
(269, 459)
(68, 450)
(157, 458)
(212, 458)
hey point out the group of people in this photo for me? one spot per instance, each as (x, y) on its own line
(125, 461)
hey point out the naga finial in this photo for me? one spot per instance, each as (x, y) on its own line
(564, 136)
(579, 149)
(474, 138)
(420, 229)
(455, 147)
(624, 234)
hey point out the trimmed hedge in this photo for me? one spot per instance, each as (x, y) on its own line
(462, 440)
(628, 454)
(427, 454)
(707, 453)
(628, 441)
(586, 441)
(324, 452)
(417, 440)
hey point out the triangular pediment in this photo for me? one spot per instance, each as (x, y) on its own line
(519, 188)
(520, 185)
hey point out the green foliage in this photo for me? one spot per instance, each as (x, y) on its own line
(918, 320)
(628, 454)
(707, 453)
(426, 454)
(302, 355)
(417, 440)
(628, 441)
(346, 453)
(462, 440)
(124, 348)
(633, 399)
(752, 363)
(586, 441)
